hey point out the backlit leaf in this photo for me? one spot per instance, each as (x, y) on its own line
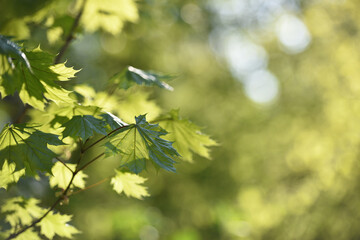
(57, 224)
(9, 175)
(187, 137)
(11, 49)
(130, 184)
(61, 176)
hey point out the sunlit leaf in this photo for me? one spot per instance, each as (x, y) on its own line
(57, 224)
(9, 175)
(11, 49)
(61, 176)
(187, 137)
(130, 184)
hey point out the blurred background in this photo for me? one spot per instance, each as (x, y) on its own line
(275, 82)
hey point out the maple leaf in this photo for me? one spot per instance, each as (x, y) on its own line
(55, 223)
(138, 142)
(129, 184)
(12, 50)
(27, 148)
(131, 76)
(39, 85)
(61, 176)
(187, 137)
(9, 175)
(83, 127)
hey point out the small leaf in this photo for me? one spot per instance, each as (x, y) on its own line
(132, 76)
(129, 184)
(187, 137)
(83, 127)
(61, 176)
(55, 223)
(9, 175)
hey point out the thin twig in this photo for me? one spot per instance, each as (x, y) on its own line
(91, 186)
(70, 36)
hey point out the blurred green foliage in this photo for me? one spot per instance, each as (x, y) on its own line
(286, 169)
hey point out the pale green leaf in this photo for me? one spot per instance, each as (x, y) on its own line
(57, 224)
(20, 211)
(187, 137)
(130, 184)
(61, 176)
(9, 175)
(27, 235)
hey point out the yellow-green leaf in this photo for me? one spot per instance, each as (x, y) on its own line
(61, 176)
(9, 175)
(55, 223)
(130, 184)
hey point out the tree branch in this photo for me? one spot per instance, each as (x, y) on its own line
(70, 36)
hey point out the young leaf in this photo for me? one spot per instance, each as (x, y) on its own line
(129, 184)
(186, 136)
(40, 84)
(11, 49)
(83, 127)
(61, 176)
(9, 175)
(27, 148)
(140, 141)
(55, 223)
(131, 76)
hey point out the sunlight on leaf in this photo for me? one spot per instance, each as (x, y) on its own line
(9, 175)
(130, 184)
(55, 223)
(61, 176)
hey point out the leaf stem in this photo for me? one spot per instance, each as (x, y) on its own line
(102, 138)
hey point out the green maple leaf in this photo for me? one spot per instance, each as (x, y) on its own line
(83, 127)
(113, 121)
(55, 223)
(187, 137)
(9, 175)
(27, 148)
(39, 85)
(61, 176)
(129, 184)
(131, 76)
(142, 141)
